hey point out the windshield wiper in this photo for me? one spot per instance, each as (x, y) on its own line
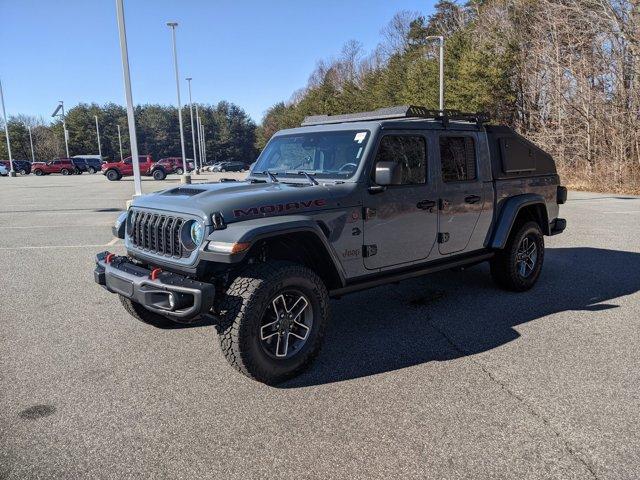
(271, 175)
(312, 180)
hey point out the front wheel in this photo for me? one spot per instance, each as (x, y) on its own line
(273, 320)
(22, 172)
(518, 266)
(159, 174)
(179, 171)
(38, 173)
(64, 171)
(91, 170)
(113, 175)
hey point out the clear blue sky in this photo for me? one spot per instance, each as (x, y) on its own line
(253, 53)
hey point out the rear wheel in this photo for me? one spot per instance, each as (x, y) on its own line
(22, 172)
(112, 175)
(159, 174)
(273, 320)
(138, 312)
(38, 173)
(91, 170)
(518, 266)
(64, 171)
(179, 171)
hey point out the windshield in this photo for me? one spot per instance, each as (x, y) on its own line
(325, 154)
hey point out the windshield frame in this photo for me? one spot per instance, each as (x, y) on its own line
(291, 174)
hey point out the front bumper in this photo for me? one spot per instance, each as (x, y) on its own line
(175, 296)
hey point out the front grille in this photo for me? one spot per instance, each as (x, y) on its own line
(157, 233)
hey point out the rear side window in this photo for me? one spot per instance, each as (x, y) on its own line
(410, 151)
(458, 159)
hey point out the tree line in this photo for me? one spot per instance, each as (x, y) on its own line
(229, 132)
(564, 73)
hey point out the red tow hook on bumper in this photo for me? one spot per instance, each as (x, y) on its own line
(155, 273)
(109, 257)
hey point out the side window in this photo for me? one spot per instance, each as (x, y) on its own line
(410, 151)
(458, 158)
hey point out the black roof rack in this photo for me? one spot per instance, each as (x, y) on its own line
(403, 111)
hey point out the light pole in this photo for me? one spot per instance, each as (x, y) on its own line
(98, 133)
(12, 172)
(193, 132)
(33, 154)
(60, 109)
(186, 178)
(204, 144)
(133, 140)
(120, 142)
(440, 39)
(199, 136)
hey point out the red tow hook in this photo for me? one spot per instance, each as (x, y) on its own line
(109, 257)
(155, 273)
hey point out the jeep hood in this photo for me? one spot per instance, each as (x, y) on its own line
(238, 201)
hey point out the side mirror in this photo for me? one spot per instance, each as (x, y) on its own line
(388, 173)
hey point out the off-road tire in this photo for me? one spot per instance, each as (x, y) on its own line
(64, 171)
(158, 174)
(504, 264)
(112, 175)
(242, 310)
(138, 312)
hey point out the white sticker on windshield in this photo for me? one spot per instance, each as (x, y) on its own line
(360, 136)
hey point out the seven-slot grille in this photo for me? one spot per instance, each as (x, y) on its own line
(157, 233)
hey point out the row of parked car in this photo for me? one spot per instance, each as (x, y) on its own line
(115, 170)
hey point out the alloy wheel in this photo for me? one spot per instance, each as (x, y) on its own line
(526, 256)
(286, 324)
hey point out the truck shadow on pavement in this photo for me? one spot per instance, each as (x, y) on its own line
(455, 314)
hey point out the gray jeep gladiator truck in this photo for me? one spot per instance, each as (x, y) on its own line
(341, 204)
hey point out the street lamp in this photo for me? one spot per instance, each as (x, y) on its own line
(133, 140)
(186, 178)
(12, 172)
(440, 39)
(120, 142)
(55, 113)
(193, 132)
(98, 133)
(33, 154)
(198, 124)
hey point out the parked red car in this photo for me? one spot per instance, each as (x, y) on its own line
(174, 165)
(63, 166)
(116, 170)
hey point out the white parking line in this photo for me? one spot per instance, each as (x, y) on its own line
(112, 242)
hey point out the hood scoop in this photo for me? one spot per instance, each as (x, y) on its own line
(186, 191)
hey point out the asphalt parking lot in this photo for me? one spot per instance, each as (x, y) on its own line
(440, 377)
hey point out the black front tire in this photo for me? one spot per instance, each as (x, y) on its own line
(505, 266)
(159, 174)
(112, 175)
(64, 171)
(38, 173)
(138, 312)
(246, 301)
(91, 170)
(179, 171)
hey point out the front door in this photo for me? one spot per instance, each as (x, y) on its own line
(400, 224)
(462, 195)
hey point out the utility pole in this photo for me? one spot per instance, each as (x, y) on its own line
(33, 154)
(199, 136)
(440, 40)
(60, 109)
(12, 172)
(193, 132)
(98, 133)
(133, 140)
(186, 178)
(120, 143)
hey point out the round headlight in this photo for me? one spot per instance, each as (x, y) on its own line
(197, 233)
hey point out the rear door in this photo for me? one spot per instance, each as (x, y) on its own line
(401, 222)
(462, 195)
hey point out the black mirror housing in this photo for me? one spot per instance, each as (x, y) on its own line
(388, 173)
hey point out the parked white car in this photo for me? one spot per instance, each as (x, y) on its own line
(3, 171)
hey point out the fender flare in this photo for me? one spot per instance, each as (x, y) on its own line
(508, 214)
(254, 230)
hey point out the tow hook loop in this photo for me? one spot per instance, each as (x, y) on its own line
(155, 273)
(109, 257)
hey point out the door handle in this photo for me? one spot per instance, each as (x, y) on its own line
(426, 204)
(472, 199)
